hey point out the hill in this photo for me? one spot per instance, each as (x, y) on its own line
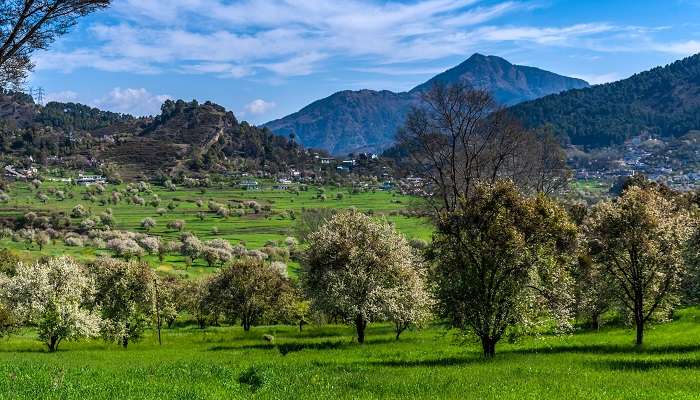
(186, 135)
(664, 101)
(367, 120)
(201, 137)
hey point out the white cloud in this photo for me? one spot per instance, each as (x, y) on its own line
(679, 48)
(286, 38)
(598, 79)
(132, 101)
(259, 106)
(304, 64)
(66, 96)
(299, 37)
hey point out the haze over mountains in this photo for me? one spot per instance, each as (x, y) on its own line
(367, 120)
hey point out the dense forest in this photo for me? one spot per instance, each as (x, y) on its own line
(664, 101)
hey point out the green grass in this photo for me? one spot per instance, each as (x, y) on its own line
(321, 362)
(254, 230)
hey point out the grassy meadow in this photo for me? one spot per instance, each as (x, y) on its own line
(252, 229)
(323, 362)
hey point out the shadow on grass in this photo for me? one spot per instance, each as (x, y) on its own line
(608, 349)
(439, 362)
(647, 365)
(284, 348)
(292, 347)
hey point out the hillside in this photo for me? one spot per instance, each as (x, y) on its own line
(348, 121)
(510, 84)
(367, 120)
(664, 101)
(189, 135)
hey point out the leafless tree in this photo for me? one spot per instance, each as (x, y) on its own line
(30, 25)
(460, 136)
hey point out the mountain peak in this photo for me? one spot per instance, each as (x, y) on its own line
(510, 84)
(367, 120)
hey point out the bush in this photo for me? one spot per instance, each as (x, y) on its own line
(148, 223)
(177, 225)
(79, 211)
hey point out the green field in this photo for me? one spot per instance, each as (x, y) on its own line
(322, 362)
(252, 229)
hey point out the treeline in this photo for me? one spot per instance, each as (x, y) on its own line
(661, 101)
(78, 117)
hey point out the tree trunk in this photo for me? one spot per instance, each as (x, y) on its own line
(53, 344)
(489, 346)
(595, 322)
(399, 330)
(360, 324)
(640, 331)
(125, 342)
(246, 324)
(639, 317)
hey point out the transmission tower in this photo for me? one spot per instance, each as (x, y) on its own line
(39, 95)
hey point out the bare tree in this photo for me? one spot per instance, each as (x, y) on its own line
(30, 25)
(460, 136)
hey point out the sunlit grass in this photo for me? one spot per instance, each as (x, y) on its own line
(323, 362)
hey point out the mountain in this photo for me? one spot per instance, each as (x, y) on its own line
(664, 101)
(348, 121)
(367, 120)
(509, 84)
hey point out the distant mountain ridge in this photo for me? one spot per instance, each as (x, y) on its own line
(663, 101)
(367, 120)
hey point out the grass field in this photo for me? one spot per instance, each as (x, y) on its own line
(225, 362)
(253, 229)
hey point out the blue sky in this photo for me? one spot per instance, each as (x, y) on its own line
(265, 59)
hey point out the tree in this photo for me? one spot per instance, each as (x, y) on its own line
(459, 136)
(125, 248)
(176, 225)
(412, 302)
(126, 297)
(691, 278)
(250, 291)
(499, 257)
(310, 220)
(55, 296)
(42, 239)
(353, 268)
(594, 292)
(196, 299)
(31, 25)
(638, 241)
(191, 247)
(148, 223)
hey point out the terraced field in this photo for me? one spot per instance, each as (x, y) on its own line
(252, 229)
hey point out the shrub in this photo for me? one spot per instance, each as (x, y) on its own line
(125, 248)
(79, 211)
(73, 241)
(148, 223)
(176, 225)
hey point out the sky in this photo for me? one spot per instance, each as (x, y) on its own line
(266, 59)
